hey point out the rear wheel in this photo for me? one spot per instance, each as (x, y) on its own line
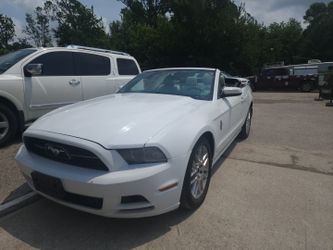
(8, 125)
(306, 87)
(197, 177)
(245, 132)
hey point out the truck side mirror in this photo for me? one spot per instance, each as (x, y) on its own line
(33, 69)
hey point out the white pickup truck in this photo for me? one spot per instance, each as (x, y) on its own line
(35, 81)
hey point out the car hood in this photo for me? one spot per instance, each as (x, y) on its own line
(118, 120)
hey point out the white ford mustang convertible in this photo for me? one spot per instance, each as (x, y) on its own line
(143, 151)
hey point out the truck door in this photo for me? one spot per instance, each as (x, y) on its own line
(95, 74)
(55, 86)
(267, 79)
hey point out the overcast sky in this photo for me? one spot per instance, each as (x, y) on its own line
(265, 11)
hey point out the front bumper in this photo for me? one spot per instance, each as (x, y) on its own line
(150, 181)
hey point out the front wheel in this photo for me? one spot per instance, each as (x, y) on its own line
(197, 177)
(8, 125)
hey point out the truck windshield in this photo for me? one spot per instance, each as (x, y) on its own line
(8, 60)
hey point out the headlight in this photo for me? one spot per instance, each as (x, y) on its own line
(142, 155)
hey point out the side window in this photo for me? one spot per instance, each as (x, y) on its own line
(127, 67)
(91, 65)
(56, 64)
(221, 86)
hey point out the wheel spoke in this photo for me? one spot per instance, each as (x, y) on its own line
(195, 191)
(194, 179)
(204, 158)
(202, 185)
(205, 163)
(195, 169)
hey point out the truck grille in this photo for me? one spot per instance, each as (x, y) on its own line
(64, 153)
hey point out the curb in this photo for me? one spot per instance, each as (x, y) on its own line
(18, 203)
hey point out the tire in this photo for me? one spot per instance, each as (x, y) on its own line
(253, 87)
(199, 171)
(245, 132)
(306, 87)
(8, 125)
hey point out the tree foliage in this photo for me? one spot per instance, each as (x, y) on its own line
(318, 36)
(188, 33)
(212, 33)
(38, 25)
(7, 31)
(77, 24)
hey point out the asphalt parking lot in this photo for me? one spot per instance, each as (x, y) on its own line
(272, 191)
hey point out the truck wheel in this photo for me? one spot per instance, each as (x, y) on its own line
(8, 125)
(306, 87)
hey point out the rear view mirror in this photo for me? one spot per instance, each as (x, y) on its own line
(33, 69)
(231, 91)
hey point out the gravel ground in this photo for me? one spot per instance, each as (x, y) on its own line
(272, 191)
(12, 184)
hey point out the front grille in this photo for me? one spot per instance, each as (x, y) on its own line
(64, 153)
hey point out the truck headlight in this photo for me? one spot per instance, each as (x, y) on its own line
(142, 155)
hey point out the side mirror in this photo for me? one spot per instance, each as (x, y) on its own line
(231, 91)
(33, 69)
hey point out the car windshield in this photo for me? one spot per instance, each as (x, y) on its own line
(197, 84)
(8, 60)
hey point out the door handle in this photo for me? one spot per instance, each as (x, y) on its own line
(74, 82)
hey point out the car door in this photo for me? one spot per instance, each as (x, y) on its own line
(56, 86)
(221, 119)
(236, 110)
(229, 118)
(95, 74)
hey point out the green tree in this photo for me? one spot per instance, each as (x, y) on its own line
(38, 25)
(214, 33)
(78, 24)
(7, 31)
(318, 36)
(283, 42)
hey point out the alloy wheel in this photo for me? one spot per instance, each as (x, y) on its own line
(199, 171)
(248, 123)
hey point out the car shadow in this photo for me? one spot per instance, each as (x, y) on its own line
(45, 224)
(220, 161)
(15, 140)
(18, 192)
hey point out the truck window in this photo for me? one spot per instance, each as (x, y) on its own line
(56, 63)
(91, 65)
(127, 67)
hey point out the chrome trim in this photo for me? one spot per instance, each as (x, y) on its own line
(49, 105)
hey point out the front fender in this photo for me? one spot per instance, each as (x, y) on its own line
(12, 99)
(179, 138)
